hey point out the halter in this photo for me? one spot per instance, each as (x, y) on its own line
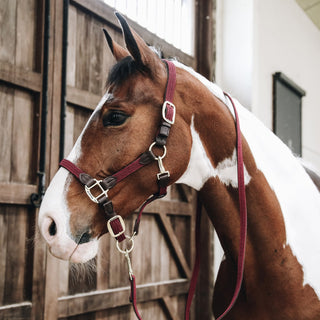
(97, 191)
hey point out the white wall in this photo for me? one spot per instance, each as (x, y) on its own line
(256, 38)
(234, 53)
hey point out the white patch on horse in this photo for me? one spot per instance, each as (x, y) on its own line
(200, 168)
(298, 196)
(75, 153)
(54, 208)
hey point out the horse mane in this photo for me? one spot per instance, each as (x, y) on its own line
(125, 69)
(128, 67)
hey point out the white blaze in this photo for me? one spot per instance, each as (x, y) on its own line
(54, 208)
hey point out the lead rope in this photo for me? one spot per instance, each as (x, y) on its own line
(126, 252)
(196, 268)
(243, 213)
(243, 228)
(133, 289)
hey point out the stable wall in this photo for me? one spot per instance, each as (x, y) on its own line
(255, 39)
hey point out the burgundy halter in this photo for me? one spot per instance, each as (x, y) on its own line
(97, 191)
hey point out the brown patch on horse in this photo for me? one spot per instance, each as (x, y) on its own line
(273, 280)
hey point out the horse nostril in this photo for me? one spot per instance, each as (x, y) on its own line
(53, 228)
(85, 237)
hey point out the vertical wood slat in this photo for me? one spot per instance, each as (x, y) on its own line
(25, 34)
(13, 243)
(3, 254)
(175, 244)
(53, 136)
(17, 144)
(82, 57)
(6, 120)
(72, 46)
(8, 31)
(22, 137)
(205, 57)
(97, 42)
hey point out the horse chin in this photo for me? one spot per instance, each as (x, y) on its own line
(84, 252)
(75, 253)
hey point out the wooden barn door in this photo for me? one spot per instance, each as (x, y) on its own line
(21, 260)
(34, 284)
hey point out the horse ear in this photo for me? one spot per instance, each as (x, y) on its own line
(117, 51)
(136, 45)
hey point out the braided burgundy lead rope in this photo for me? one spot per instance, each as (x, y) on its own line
(243, 228)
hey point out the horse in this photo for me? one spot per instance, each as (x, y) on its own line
(281, 278)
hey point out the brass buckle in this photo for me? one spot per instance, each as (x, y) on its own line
(164, 107)
(99, 196)
(110, 227)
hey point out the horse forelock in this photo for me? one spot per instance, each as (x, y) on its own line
(124, 70)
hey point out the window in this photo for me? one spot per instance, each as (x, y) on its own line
(287, 103)
(171, 20)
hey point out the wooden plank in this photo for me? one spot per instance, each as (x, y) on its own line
(205, 54)
(112, 298)
(97, 42)
(171, 207)
(21, 77)
(82, 98)
(3, 252)
(6, 118)
(25, 34)
(8, 31)
(170, 308)
(204, 41)
(53, 139)
(22, 136)
(69, 125)
(72, 44)
(175, 245)
(16, 193)
(63, 278)
(103, 263)
(16, 311)
(205, 279)
(82, 51)
(16, 257)
(39, 270)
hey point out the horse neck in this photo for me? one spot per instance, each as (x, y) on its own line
(279, 258)
(212, 171)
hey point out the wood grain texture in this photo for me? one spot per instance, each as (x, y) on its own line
(163, 254)
(100, 300)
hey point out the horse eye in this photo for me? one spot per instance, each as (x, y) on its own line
(114, 118)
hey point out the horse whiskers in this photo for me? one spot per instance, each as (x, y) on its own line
(77, 245)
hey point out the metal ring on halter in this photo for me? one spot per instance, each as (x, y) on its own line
(158, 157)
(126, 251)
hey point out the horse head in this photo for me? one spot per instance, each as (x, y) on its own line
(122, 127)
